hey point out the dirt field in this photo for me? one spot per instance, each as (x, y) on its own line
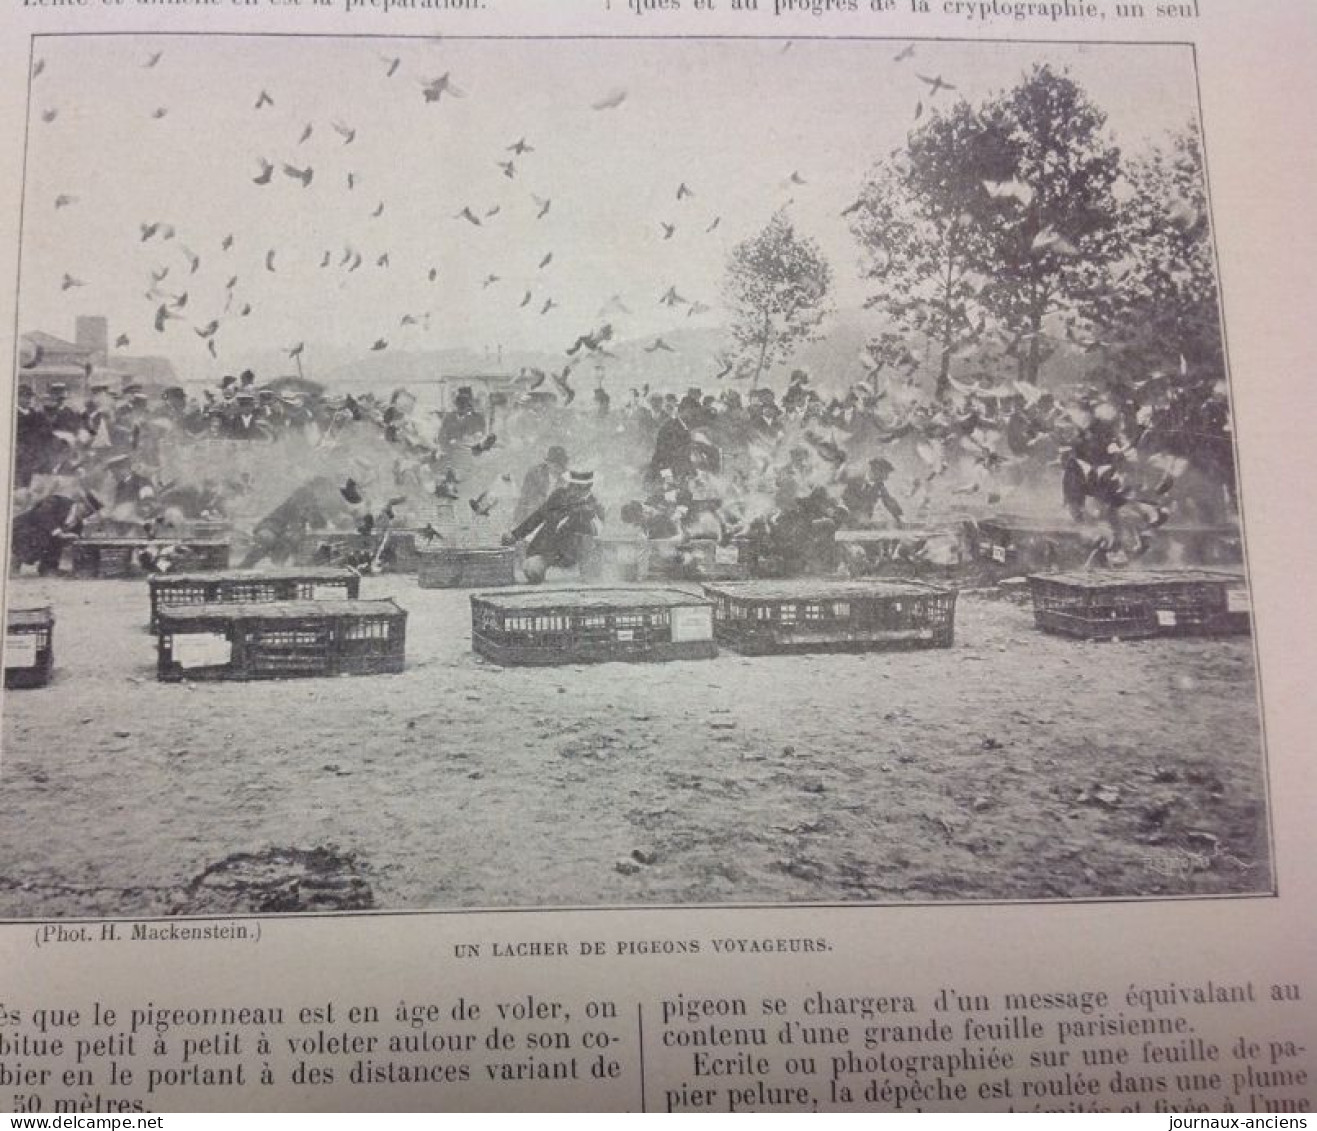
(1013, 766)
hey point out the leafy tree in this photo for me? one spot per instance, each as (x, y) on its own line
(1047, 210)
(776, 285)
(1157, 313)
(890, 350)
(921, 238)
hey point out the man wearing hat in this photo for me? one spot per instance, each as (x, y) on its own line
(318, 504)
(673, 445)
(131, 487)
(32, 439)
(65, 423)
(540, 481)
(555, 529)
(464, 422)
(246, 422)
(96, 417)
(862, 495)
(176, 415)
(63, 416)
(765, 416)
(273, 410)
(40, 533)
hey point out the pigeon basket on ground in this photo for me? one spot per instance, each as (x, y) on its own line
(725, 562)
(208, 528)
(101, 525)
(704, 559)
(400, 553)
(583, 626)
(281, 640)
(1135, 604)
(807, 615)
(1195, 544)
(29, 647)
(122, 557)
(466, 567)
(904, 552)
(615, 559)
(699, 559)
(250, 587)
(334, 547)
(761, 558)
(1011, 545)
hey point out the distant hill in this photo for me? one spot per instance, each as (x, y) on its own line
(834, 362)
(692, 359)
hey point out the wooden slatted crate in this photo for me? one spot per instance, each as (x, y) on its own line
(333, 547)
(1195, 544)
(582, 626)
(120, 558)
(281, 640)
(1015, 545)
(29, 647)
(462, 567)
(908, 551)
(1104, 604)
(809, 615)
(235, 587)
(615, 559)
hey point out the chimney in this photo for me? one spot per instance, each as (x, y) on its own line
(93, 333)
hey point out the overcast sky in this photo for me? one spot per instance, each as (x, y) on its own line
(733, 120)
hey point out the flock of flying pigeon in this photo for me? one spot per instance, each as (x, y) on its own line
(174, 300)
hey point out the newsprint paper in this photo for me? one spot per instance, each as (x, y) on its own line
(670, 555)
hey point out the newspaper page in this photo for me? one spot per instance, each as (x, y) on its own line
(669, 555)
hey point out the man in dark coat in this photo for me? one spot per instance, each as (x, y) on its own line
(801, 536)
(673, 445)
(464, 423)
(131, 488)
(41, 532)
(33, 439)
(555, 529)
(861, 496)
(247, 423)
(63, 416)
(319, 504)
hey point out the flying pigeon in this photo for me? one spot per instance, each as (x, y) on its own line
(437, 88)
(935, 83)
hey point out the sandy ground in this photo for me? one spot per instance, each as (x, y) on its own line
(1013, 766)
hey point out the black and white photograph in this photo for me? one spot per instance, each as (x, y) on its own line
(490, 473)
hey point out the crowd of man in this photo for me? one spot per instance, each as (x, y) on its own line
(784, 470)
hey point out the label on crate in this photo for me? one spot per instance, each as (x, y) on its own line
(727, 555)
(1166, 618)
(1237, 601)
(202, 649)
(21, 650)
(692, 624)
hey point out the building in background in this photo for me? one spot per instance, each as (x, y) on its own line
(45, 360)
